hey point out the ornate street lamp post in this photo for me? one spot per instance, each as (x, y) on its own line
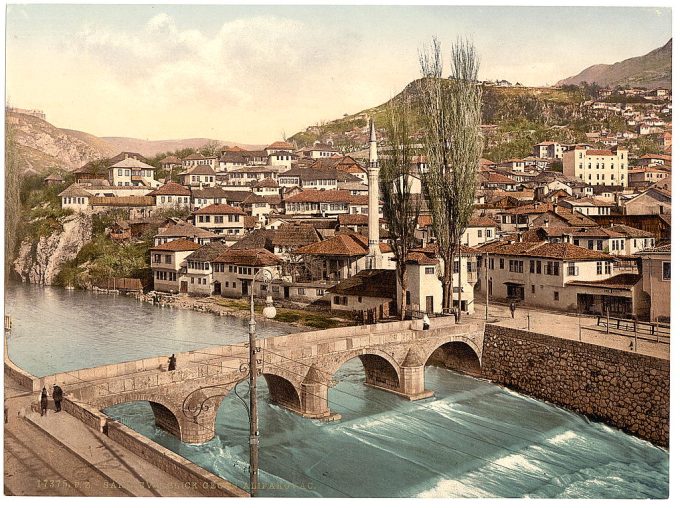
(193, 409)
(269, 312)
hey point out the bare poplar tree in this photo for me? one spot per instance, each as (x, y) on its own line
(401, 206)
(453, 143)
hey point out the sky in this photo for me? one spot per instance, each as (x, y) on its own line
(251, 73)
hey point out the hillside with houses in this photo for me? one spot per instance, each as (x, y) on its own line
(570, 226)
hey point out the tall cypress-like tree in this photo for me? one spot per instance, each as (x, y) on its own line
(401, 206)
(12, 196)
(453, 143)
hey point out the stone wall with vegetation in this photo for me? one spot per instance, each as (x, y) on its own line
(627, 390)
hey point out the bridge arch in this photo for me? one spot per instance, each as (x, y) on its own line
(283, 391)
(169, 419)
(380, 367)
(456, 353)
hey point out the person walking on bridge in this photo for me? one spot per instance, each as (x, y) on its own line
(426, 322)
(43, 402)
(58, 396)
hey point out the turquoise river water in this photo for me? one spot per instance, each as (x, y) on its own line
(473, 439)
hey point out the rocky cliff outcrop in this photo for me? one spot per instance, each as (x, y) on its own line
(38, 262)
(41, 145)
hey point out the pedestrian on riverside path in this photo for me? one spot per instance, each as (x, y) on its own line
(512, 309)
(58, 396)
(43, 402)
(172, 362)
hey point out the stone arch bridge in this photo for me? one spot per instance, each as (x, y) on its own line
(298, 370)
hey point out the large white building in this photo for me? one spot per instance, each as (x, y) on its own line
(597, 167)
(132, 172)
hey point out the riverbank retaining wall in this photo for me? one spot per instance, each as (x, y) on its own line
(13, 371)
(193, 477)
(627, 390)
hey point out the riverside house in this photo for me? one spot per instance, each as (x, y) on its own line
(234, 271)
(168, 264)
(560, 276)
(200, 269)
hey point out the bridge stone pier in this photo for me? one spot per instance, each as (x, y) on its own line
(298, 370)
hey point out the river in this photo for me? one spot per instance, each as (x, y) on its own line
(473, 439)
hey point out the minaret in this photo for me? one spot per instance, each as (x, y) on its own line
(374, 256)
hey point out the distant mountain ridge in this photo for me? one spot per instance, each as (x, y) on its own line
(151, 148)
(653, 70)
(42, 147)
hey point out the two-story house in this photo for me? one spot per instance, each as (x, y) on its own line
(201, 175)
(172, 195)
(561, 276)
(208, 196)
(234, 271)
(200, 269)
(548, 150)
(168, 264)
(220, 219)
(424, 291)
(132, 172)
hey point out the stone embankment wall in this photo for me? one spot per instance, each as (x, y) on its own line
(193, 477)
(627, 390)
(23, 378)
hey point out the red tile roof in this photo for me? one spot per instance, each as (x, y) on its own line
(180, 245)
(620, 281)
(373, 283)
(219, 210)
(267, 182)
(482, 222)
(533, 208)
(201, 169)
(328, 196)
(656, 156)
(294, 235)
(493, 177)
(341, 245)
(600, 152)
(248, 257)
(75, 190)
(352, 219)
(171, 189)
(280, 145)
(207, 252)
(561, 250)
(420, 258)
(249, 221)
